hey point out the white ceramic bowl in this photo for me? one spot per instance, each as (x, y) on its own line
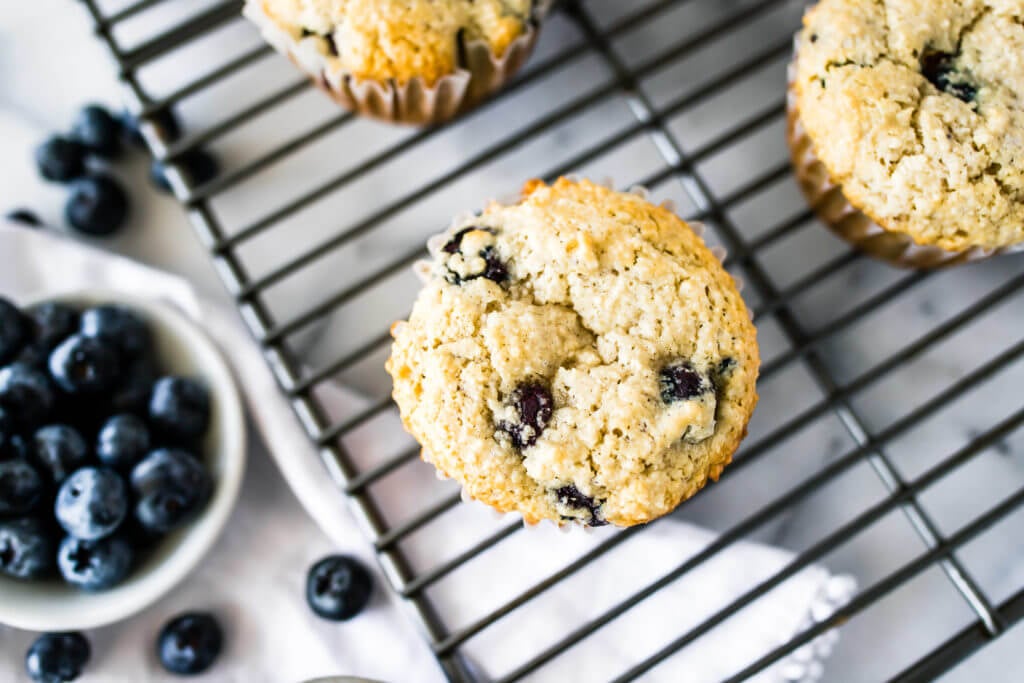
(183, 349)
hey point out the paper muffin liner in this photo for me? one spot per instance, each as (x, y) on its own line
(424, 271)
(850, 223)
(481, 74)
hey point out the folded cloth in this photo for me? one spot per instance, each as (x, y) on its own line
(254, 575)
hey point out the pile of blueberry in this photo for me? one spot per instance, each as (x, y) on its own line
(97, 204)
(98, 449)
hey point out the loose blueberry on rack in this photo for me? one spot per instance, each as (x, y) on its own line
(94, 565)
(23, 217)
(572, 497)
(60, 159)
(338, 587)
(494, 269)
(91, 503)
(21, 487)
(534, 406)
(681, 382)
(119, 327)
(171, 486)
(123, 441)
(98, 131)
(97, 205)
(190, 643)
(198, 167)
(164, 121)
(59, 450)
(26, 548)
(15, 330)
(57, 657)
(53, 322)
(179, 409)
(84, 365)
(941, 71)
(26, 394)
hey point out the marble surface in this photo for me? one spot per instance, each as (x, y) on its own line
(42, 90)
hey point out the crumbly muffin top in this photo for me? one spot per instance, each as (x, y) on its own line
(400, 39)
(916, 107)
(580, 355)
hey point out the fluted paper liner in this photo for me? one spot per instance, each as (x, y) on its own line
(481, 74)
(850, 223)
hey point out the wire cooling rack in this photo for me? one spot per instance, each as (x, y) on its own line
(886, 444)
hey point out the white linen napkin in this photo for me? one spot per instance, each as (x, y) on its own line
(254, 576)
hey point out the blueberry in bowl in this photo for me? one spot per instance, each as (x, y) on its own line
(110, 497)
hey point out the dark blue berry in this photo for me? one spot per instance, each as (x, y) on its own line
(94, 565)
(34, 354)
(57, 657)
(534, 407)
(164, 120)
(26, 548)
(21, 487)
(96, 205)
(941, 71)
(132, 394)
(23, 217)
(190, 643)
(122, 441)
(171, 486)
(338, 587)
(60, 159)
(53, 322)
(26, 394)
(572, 497)
(494, 268)
(59, 450)
(7, 432)
(91, 503)
(179, 409)
(84, 365)
(120, 327)
(681, 382)
(98, 131)
(198, 167)
(15, 330)
(17, 446)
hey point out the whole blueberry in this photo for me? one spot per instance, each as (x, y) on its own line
(123, 440)
(24, 217)
(100, 132)
(84, 365)
(17, 447)
(164, 121)
(57, 657)
(59, 450)
(52, 322)
(179, 409)
(198, 166)
(136, 386)
(21, 487)
(681, 382)
(15, 330)
(26, 548)
(94, 565)
(171, 486)
(91, 503)
(119, 327)
(7, 433)
(338, 587)
(96, 205)
(189, 643)
(60, 159)
(26, 394)
(534, 406)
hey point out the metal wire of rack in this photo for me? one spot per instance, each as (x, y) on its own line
(690, 92)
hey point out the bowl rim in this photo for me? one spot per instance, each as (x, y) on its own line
(183, 550)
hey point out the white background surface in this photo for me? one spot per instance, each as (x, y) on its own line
(50, 64)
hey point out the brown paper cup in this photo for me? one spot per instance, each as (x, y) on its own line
(850, 223)
(481, 74)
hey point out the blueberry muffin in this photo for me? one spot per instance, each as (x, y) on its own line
(578, 356)
(410, 61)
(907, 125)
